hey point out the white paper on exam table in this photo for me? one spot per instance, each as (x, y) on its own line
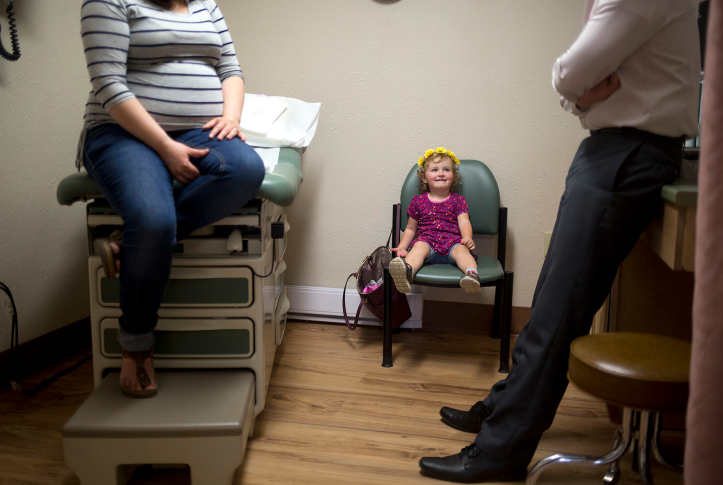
(259, 113)
(294, 127)
(270, 157)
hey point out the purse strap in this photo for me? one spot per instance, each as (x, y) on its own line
(343, 305)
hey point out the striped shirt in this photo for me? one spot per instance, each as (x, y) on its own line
(173, 63)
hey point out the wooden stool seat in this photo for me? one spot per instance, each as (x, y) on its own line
(646, 375)
(633, 370)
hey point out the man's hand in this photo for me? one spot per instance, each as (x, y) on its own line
(466, 241)
(600, 92)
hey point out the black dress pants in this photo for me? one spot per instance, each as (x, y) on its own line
(612, 193)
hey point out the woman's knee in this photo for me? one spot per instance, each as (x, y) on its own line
(245, 168)
(151, 225)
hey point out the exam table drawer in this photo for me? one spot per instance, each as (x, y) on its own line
(204, 287)
(190, 338)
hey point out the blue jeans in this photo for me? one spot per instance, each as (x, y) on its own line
(139, 187)
(436, 258)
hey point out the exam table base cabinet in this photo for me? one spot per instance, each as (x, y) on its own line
(215, 312)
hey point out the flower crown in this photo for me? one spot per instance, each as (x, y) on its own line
(441, 150)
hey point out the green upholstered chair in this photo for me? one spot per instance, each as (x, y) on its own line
(480, 189)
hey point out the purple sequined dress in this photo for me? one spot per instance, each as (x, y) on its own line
(437, 221)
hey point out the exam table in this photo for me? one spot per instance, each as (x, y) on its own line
(222, 316)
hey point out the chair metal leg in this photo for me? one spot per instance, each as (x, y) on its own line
(612, 477)
(636, 440)
(506, 323)
(496, 314)
(387, 343)
(646, 428)
(613, 456)
(656, 445)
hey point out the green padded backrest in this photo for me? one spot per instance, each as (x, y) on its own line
(478, 186)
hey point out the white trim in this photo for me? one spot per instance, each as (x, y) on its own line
(324, 305)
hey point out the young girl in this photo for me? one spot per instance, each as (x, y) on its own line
(440, 219)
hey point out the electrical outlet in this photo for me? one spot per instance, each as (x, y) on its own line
(9, 307)
(548, 235)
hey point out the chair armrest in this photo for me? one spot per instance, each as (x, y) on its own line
(396, 219)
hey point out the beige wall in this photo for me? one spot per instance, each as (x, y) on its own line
(394, 78)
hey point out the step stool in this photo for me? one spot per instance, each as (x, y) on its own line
(200, 418)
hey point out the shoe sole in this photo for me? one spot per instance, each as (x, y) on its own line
(139, 394)
(502, 477)
(398, 272)
(469, 284)
(106, 258)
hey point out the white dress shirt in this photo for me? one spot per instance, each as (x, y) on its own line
(653, 46)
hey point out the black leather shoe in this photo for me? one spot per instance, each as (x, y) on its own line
(469, 421)
(464, 468)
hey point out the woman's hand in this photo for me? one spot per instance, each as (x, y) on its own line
(224, 127)
(466, 241)
(177, 156)
(401, 253)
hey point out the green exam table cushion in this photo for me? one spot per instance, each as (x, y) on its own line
(279, 186)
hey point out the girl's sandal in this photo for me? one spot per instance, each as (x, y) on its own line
(470, 282)
(141, 375)
(106, 253)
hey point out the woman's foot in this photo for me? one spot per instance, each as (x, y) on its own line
(402, 274)
(137, 376)
(470, 282)
(109, 253)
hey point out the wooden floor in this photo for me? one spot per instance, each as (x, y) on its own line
(333, 415)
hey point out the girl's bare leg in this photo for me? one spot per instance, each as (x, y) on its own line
(463, 258)
(398, 267)
(416, 256)
(465, 261)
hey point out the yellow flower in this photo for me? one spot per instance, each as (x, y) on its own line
(441, 150)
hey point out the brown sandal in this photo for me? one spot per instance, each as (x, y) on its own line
(141, 375)
(106, 253)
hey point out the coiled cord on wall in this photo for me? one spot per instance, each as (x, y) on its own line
(13, 37)
(13, 338)
(15, 370)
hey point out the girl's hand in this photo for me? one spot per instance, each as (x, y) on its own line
(466, 241)
(401, 253)
(225, 128)
(177, 156)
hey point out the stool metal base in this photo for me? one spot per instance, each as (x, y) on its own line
(642, 426)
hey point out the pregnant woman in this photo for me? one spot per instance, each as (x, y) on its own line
(166, 100)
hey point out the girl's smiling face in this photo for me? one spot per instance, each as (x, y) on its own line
(439, 176)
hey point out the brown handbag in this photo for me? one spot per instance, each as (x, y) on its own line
(372, 269)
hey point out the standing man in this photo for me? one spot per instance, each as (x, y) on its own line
(632, 78)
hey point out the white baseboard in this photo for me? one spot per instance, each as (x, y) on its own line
(324, 305)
